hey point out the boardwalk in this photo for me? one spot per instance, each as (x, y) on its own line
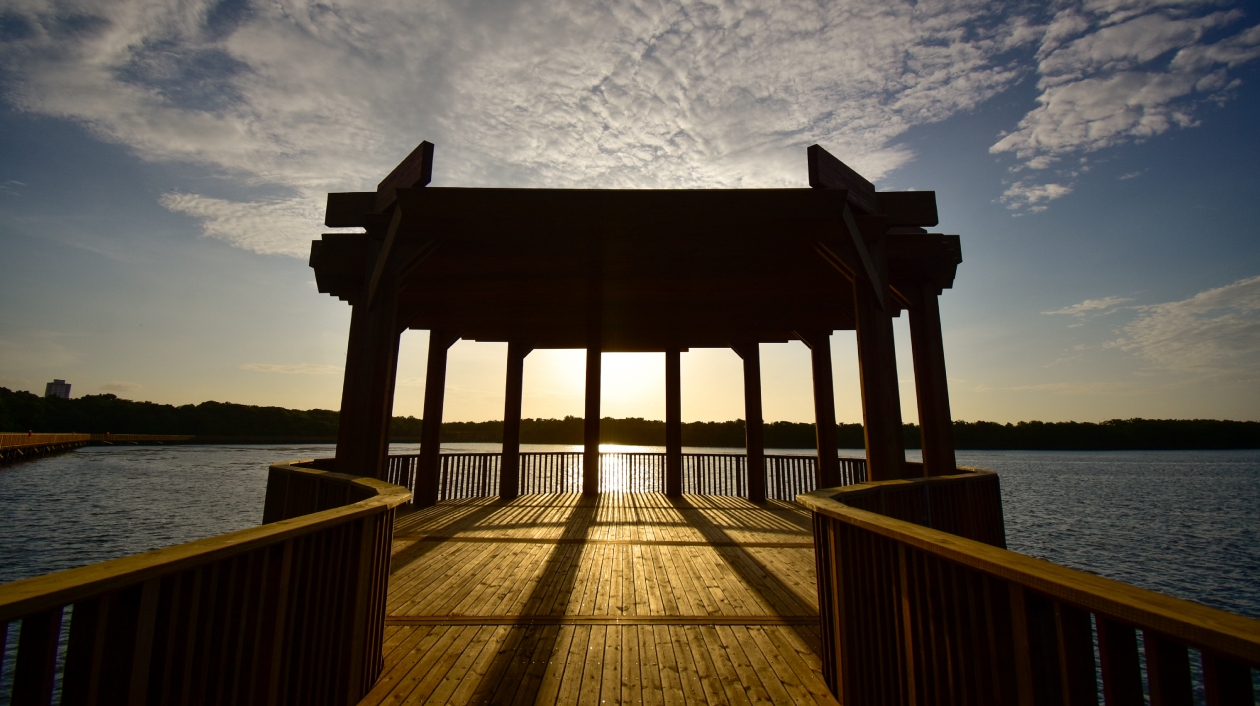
(630, 598)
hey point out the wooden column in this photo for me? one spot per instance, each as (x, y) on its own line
(819, 343)
(931, 384)
(510, 467)
(881, 403)
(673, 422)
(754, 433)
(590, 459)
(367, 392)
(431, 431)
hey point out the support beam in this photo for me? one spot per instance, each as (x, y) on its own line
(819, 343)
(930, 382)
(754, 432)
(881, 402)
(431, 431)
(510, 467)
(673, 422)
(367, 392)
(590, 458)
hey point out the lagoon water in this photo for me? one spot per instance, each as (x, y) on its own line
(1185, 523)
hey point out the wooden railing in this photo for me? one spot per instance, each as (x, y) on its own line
(17, 447)
(920, 604)
(289, 612)
(26, 439)
(473, 475)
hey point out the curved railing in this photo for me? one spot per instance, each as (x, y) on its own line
(288, 612)
(925, 607)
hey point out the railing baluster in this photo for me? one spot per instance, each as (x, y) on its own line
(1078, 672)
(36, 666)
(1121, 672)
(1226, 682)
(1167, 671)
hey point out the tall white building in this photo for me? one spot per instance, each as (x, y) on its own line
(57, 388)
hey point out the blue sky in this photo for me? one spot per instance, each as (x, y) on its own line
(163, 166)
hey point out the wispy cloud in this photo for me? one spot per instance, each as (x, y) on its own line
(292, 368)
(1090, 307)
(269, 227)
(1033, 196)
(309, 97)
(1216, 331)
(1118, 71)
(1081, 389)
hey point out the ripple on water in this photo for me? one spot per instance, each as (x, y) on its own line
(1180, 522)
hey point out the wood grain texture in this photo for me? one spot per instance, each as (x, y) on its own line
(618, 598)
(1026, 627)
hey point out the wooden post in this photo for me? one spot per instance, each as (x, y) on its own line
(673, 422)
(754, 433)
(429, 465)
(590, 458)
(931, 383)
(881, 402)
(509, 468)
(819, 343)
(367, 393)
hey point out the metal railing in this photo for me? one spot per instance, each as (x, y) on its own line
(474, 475)
(288, 612)
(920, 604)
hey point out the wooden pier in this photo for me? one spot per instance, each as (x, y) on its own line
(621, 598)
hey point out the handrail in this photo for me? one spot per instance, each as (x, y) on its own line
(472, 475)
(934, 605)
(167, 613)
(26, 439)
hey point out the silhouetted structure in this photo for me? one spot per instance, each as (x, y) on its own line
(640, 270)
(57, 388)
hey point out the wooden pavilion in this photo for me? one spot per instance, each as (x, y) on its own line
(640, 270)
(868, 587)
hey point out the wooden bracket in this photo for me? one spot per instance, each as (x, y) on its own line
(443, 339)
(414, 172)
(382, 258)
(827, 172)
(814, 338)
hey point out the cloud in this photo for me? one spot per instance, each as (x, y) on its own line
(1091, 306)
(303, 98)
(120, 387)
(1216, 331)
(293, 368)
(1080, 389)
(281, 227)
(1118, 71)
(1022, 194)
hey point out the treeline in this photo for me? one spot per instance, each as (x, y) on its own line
(97, 414)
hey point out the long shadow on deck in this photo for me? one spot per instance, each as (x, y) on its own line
(754, 572)
(517, 671)
(417, 549)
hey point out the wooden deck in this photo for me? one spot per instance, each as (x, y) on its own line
(630, 598)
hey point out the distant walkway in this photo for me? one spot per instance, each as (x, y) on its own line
(21, 446)
(622, 598)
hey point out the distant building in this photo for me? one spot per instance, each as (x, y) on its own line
(57, 388)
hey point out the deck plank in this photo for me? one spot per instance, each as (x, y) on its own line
(639, 598)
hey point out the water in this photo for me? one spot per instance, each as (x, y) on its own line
(1180, 522)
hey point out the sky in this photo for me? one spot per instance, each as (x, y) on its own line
(164, 165)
